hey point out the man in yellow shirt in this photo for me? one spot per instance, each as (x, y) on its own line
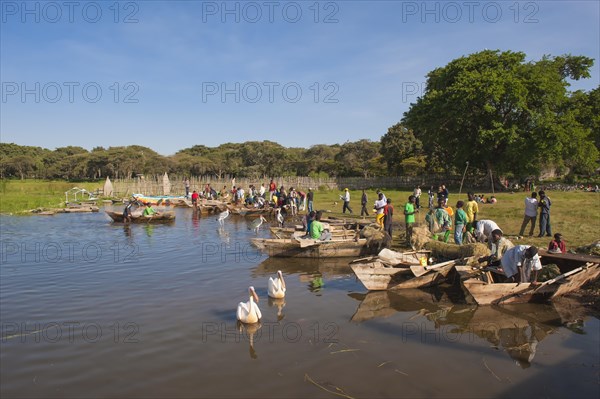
(471, 208)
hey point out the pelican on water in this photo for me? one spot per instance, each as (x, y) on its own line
(248, 312)
(255, 225)
(277, 286)
(222, 216)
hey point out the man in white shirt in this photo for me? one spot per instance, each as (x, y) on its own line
(531, 206)
(518, 262)
(484, 228)
(379, 205)
(417, 194)
(346, 199)
(262, 190)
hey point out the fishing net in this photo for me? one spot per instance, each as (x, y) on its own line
(452, 251)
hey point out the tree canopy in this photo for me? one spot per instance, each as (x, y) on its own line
(506, 115)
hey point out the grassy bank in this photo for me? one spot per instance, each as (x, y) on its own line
(574, 214)
(17, 196)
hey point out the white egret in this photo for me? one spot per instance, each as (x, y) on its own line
(248, 312)
(277, 286)
(222, 216)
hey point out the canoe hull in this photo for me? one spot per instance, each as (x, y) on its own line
(375, 276)
(289, 248)
(117, 217)
(488, 294)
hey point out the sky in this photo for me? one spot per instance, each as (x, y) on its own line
(172, 74)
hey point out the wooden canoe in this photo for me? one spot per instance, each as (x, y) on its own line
(566, 262)
(336, 232)
(165, 217)
(308, 248)
(376, 275)
(485, 293)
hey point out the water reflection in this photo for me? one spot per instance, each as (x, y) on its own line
(516, 329)
(313, 272)
(250, 331)
(280, 303)
(149, 229)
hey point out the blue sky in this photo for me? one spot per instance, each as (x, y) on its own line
(162, 66)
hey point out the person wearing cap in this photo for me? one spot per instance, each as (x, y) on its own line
(310, 196)
(519, 262)
(346, 199)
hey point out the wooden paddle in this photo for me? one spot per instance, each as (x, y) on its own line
(421, 270)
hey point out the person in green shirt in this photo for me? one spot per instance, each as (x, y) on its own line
(149, 211)
(317, 231)
(460, 222)
(409, 217)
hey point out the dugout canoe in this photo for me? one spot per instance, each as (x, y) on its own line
(289, 232)
(309, 248)
(375, 275)
(491, 293)
(164, 217)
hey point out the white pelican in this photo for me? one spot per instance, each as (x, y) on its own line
(255, 225)
(277, 286)
(222, 216)
(279, 217)
(248, 312)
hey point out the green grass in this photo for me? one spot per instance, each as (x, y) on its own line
(18, 196)
(574, 214)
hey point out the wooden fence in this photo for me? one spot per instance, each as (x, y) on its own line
(155, 185)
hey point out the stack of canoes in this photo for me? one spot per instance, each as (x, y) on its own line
(393, 270)
(400, 270)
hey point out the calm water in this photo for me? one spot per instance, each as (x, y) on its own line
(91, 309)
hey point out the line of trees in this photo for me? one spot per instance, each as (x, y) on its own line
(506, 116)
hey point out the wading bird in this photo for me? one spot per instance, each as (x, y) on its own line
(255, 225)
(222, 216)
(279, 216)
(248, 312)
(277, 286)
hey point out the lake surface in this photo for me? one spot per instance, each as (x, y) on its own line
(92, 309)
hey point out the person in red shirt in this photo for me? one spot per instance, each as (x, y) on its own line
(195, 199)
(557, 245)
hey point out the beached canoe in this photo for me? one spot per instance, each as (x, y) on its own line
(309, 248)
(289, 232)
(164, 217)
(489, 293)
(375, 275)
(244, 211)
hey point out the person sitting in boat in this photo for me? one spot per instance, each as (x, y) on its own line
(149, 211)
(317, 231)
(519, 262)
(557, 246)
(306, 222)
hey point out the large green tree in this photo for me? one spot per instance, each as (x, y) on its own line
(501, 113)
(397, 145)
